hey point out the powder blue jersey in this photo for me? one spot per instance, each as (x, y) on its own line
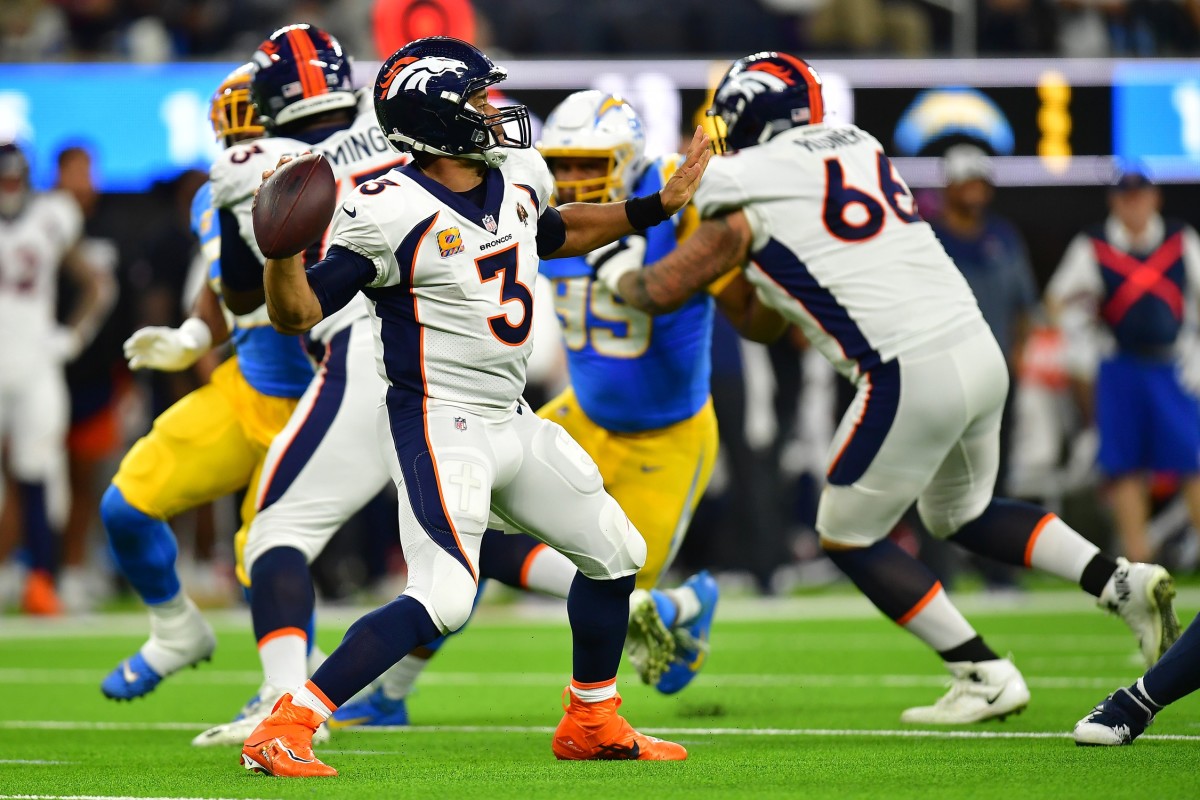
(632, 372)
(272, 363)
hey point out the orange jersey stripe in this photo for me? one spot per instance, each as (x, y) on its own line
(924, 601)
(280, 632)
(1033, 537)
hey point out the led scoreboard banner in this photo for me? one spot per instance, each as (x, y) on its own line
(1049, 121)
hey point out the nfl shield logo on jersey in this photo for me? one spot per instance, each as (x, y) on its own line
(460, 423)
(489, 222)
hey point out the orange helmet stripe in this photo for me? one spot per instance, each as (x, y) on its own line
(312, 80)
(816, 104)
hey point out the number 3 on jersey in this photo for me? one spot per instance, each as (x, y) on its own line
(869, 217)
(503, 264)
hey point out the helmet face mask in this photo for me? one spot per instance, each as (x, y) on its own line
(595, 125)
(423, 101)
(763, 95)
(299, 72)
(234, 118)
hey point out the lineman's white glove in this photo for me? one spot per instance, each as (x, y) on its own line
(613, 260)
(168, 349)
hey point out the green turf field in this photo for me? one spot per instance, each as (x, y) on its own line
(799, 699)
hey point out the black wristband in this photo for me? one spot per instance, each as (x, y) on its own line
(646, 212)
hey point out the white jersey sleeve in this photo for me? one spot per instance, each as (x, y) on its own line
(1077, 279)
(237, 174)
(356, 228)
(64, 219)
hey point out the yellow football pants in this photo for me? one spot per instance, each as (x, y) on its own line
(209, 444)
(657, 476)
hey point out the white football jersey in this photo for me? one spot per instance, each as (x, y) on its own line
(357, 154)
(32, 247)
(838, 246)
(452, 298)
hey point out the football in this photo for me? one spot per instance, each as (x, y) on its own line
(293, 206)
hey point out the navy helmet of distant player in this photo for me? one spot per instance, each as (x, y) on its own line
(595, 125)
(421, 101)
(14, 180)
(762, 95)
(233, 115)
(298, 72)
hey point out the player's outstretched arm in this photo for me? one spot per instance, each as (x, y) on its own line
(738, 300)
(175, 349)
(718, 245)
(592, 225)
(292, 305)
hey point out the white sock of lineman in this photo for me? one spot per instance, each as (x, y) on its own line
(399, 680)
(284, 657)
(547, 571)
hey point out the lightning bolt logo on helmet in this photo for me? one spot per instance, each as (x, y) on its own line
(414, 74)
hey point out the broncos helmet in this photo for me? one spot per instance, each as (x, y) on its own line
(762, 95)
(299, 71)
(593, 124)
(421, 102)
(233, 116)
(14, 180)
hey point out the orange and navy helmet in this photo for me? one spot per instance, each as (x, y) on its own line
(299, 71)
(233, 116)
(762, 95)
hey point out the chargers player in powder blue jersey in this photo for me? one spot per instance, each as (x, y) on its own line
(639, 399)
(273, 363)
(209, 444)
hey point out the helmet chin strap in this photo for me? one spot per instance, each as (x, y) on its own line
(493, 157)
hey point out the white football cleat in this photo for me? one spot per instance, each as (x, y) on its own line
(979, 690)
(254, 712)
(1141, 594)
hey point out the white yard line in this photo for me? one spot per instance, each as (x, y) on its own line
(251, 679)
(524, 730)
(97, 797)
(541, 611)
(35, 762)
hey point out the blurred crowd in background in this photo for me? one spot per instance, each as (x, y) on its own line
(777, 406)
(161, 30)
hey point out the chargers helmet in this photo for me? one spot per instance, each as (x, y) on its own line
(299, 71)
(762, 95)
(593, 124)
(421, 102)
(233, 116)
(14, 180)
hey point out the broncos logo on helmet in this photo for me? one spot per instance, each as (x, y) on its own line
(414, 74)
(423, 102)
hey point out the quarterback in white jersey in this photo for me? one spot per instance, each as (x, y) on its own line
(38, 234)
(446, 250)
(830, 236)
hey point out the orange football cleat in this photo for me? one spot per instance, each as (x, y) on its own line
(281, 745)
(40, 598)
(595, 731)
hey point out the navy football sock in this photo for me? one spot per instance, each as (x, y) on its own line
(281, 594)
(599, 614)
(1002, 532)
(890, 578)
(503, 555)
(1177, 673)
(143, 547)
(373, 644)
(39, 538)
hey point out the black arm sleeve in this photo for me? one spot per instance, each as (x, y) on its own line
(551, 232)
(337, 277)
(241, 270)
